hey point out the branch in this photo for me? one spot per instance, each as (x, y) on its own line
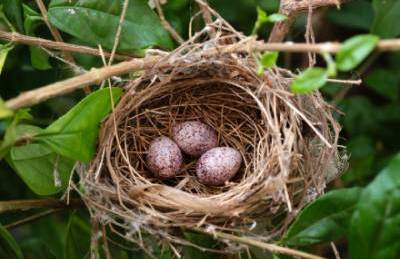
(6, 206)
(33, 218)
(36, 96)
(256, 243)
(167, 26)
(39, 42)
(292, 8)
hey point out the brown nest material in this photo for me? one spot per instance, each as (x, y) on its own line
(288, 144)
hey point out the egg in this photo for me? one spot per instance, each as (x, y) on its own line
(164, 158)
(218, 165)
(194, 137)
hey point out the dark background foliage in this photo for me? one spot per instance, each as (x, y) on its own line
(361, 213)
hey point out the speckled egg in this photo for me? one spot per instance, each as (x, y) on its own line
(194, 137)
(164, 158)
(218, 165)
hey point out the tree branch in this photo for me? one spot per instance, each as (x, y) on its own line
(39, 42)
(36, 96)
(292, 8)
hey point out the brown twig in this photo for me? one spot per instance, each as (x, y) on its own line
(256, 243)
(32, 218)
(57, 36)
(36, 96)
(119, 30)
(40, 42)
(6, 206)
(167, 26)
(292, 8)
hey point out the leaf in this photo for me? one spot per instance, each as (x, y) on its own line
(77, 239)
(12, 9)
(5, 112)
(36, 165)
(384, 82)
(8, 246)
(387, 14)
(267, 60)
(374, 228)
(74, 135)
(310, 80)
(96, 22)
(39, 58)
(276, 17)
(355, 50)
(4, 50)
(325, 219)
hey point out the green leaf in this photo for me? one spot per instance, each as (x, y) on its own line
(37, 165)
(74, 135)
(4, 50)
(325, 219)
(96, 22)
(310, 80)
(276, 17)
(387, 14)
(77, 240)
(39, 58)
(355, 50)
(5, 112)
(267, 60)
(12, 9)
(374, 229)
(8, 246)
(384, 82)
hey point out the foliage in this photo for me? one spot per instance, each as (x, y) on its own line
(40, 146)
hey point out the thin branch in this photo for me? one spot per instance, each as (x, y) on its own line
(57, 36)
(40, 42)
(292, 8)
(36, 96)
(6, 206)
(54, 32)
(33, 218)
(253, 242)
(167, 26)
(119, 30)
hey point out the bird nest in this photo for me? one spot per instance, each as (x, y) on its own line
(288, 144)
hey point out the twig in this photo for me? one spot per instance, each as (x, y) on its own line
(335, 251)
(253, 242)
(6, 206)
(54, 32)
(119, 29)
(57, 36)
(32, 218)
(36, 96)
(167, 26)
(35, 41)
(292, 8)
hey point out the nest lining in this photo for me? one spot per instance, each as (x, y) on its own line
(288, 145)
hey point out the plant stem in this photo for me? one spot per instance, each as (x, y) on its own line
(6, 206)
(32, 218)
(253, 242)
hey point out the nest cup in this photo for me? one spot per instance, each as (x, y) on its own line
(287, 142)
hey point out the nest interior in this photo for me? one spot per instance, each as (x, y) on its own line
(288, 144)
